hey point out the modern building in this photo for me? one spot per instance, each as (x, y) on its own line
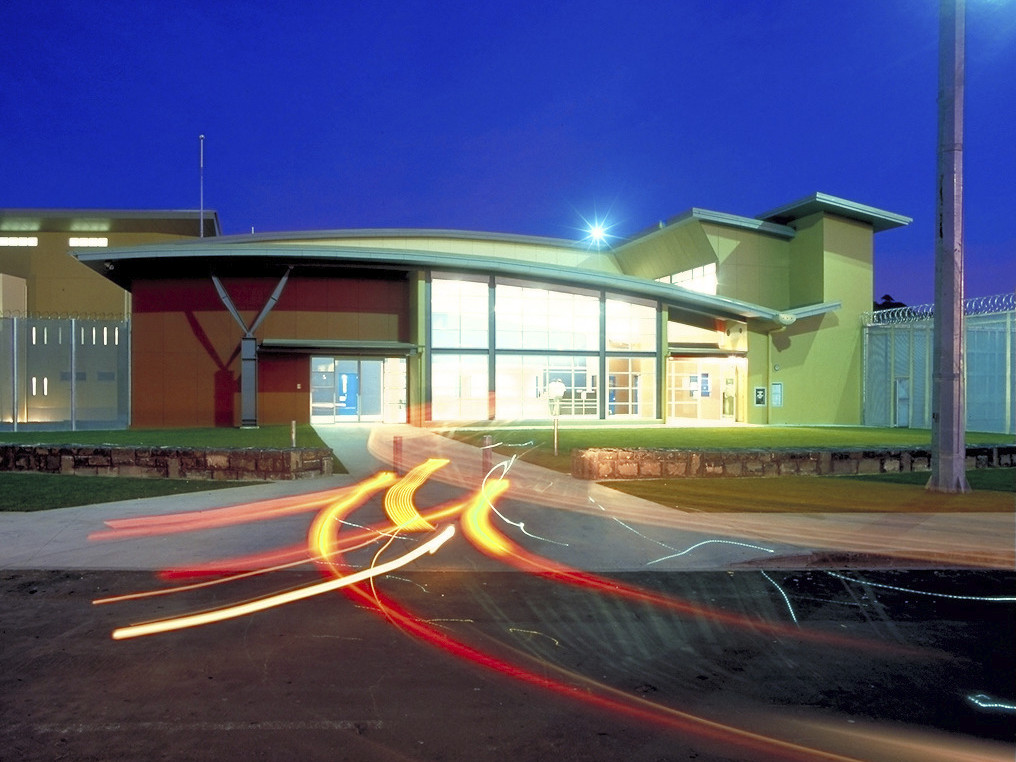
(64, 329)
(37, 277)
(705, 317)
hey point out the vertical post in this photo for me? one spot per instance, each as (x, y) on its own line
(555, 434)
(397, 454)
(74, 375)
(486, 456)
(292, 433)
(14, 373)
(948, 418)
(201, 183)
(248, 382)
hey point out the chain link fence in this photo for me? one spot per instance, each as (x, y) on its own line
(898, 372)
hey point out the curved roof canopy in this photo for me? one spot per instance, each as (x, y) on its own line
(254, 255)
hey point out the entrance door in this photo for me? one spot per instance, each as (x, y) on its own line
(903, 402)
(355, 390)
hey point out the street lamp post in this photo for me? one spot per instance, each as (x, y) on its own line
(948, 419)
(555, 391)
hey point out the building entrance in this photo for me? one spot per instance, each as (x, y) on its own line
(354, 390)
(703, 388)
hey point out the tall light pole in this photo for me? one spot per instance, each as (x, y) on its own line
(201, 183)
(948, 395)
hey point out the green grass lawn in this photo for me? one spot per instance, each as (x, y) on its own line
(993, 488)
(536, 445)
(229, 437)
(21, 491)
(37, 492)
(994, 491)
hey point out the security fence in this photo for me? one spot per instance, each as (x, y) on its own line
(64, 373)
(898, 365)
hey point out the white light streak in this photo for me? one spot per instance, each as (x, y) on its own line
(251, 607)
(707, 542)
(985, 701)
(785, 597)
(505, 466)
(535, 632)
(983, 598)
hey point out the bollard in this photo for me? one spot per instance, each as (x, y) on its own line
(397, 454)
(292, 433)
(486, 456)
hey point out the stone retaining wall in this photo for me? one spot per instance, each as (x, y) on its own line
(600, 464)
(168, 462)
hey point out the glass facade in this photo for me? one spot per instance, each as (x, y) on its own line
(522, 381)
(459, 387)
(538, 318)
(539, 335)
(459, 310)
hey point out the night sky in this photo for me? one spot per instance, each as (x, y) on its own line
(521, 117)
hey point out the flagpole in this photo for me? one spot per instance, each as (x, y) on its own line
(201, 182)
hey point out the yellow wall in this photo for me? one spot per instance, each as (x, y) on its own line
(818, 359)
(60, 285)
(750, 266)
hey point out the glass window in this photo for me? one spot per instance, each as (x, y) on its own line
(539, 318)
(522, 381)
(459, 314)
(459, 387)
(701, 279)
(631, 326)
(631, 386)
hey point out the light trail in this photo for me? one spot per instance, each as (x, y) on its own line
(479, 530)
(399, 499)
(593, 693)
(786, 598)
(707, 542)
(251, 607)
(212, 518)
(981, 598)
(505, 467)
(985, 701)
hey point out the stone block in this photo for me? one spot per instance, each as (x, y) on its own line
(627, 469)
(121, 456)
(650, 468)
(217, 461)
(130, 469)
(66, 464)
(869, 465)
(807, 465)
(675, 467)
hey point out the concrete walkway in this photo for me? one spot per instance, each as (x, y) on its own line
(574, 522)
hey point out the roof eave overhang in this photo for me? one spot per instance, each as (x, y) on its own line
(121, 265)
(879, 219)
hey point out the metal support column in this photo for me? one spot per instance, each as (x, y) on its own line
(249, 349)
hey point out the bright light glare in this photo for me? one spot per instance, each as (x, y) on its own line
(597, 231)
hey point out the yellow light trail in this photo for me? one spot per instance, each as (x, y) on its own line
(252, 607)
(399, 499)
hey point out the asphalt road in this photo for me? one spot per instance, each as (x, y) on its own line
(590, 629)
(531, 669)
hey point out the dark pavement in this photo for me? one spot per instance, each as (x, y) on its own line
(723, 651)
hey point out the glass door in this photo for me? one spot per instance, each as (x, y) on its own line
(346, 390)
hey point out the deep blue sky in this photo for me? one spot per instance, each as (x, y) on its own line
(521, 117)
